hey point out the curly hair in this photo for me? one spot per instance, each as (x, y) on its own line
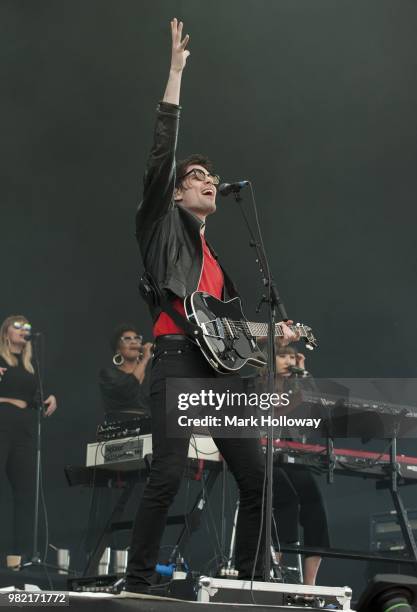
(118, 333)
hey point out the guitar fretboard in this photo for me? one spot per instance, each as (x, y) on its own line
(261, 329)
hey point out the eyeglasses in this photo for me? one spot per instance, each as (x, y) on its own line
(127, 339)
(20, 325)
(200, 175)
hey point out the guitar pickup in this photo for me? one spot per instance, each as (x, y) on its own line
(231, 330)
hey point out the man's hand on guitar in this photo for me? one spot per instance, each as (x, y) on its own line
(288, 335)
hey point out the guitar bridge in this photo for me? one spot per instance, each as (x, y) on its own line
(213, 329)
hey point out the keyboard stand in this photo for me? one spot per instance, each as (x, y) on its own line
(190, 521)
(402, 516)
(113, 524)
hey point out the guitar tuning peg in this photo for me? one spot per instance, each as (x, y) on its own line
(309, 346)
(298, 324)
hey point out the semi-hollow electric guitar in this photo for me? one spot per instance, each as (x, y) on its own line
(228, 339)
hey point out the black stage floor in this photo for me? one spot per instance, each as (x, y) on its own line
(99, 602)
(84, 603)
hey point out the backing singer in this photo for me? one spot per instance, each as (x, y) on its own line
(18, 387)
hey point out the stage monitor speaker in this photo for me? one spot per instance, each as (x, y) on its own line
(388, 592)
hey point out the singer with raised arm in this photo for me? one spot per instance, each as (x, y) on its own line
(170, 227)
(18, 394)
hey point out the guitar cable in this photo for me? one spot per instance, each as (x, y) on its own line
(83, 540)
(219, 553)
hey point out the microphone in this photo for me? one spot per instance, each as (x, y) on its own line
(226, 188)
(31, 335)
(298, 371)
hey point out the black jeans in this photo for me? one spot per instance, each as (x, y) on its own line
(182, 359)
(17, 463)
(298, 501)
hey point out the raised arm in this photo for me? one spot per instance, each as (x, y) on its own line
(159, 181)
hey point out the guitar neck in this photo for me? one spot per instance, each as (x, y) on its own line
(260, 330)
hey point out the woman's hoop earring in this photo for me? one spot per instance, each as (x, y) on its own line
(118, 359)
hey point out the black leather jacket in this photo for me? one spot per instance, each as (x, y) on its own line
(169, 235)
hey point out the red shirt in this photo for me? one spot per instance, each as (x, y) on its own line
(211, 281)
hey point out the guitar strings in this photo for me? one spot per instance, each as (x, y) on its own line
(247, 326)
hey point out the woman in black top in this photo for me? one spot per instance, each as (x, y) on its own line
(18, 424)
(123, 387)
(297, 496)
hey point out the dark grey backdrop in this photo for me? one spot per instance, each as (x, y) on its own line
(313, 100)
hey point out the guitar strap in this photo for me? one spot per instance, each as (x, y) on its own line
(158, 301)
(194, 331)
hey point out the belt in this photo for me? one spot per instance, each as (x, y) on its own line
(173, 337)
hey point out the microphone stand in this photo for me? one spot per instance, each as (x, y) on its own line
(274, 302)
(35, 560)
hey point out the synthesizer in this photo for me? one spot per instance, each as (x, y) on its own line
(390, 409)
(130, 453)
(347, 461)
